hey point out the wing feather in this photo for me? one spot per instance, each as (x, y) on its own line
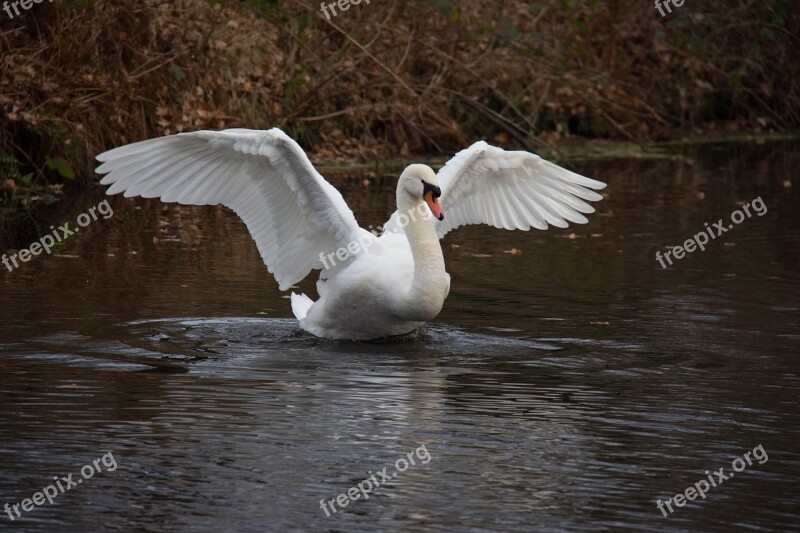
(292, 213)
(511, 190)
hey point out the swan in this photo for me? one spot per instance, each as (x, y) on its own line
(369, 286)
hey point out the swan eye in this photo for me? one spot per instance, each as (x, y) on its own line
(427, 187)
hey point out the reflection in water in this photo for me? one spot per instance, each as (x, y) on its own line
(568, 384)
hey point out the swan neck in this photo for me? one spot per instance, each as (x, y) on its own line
(426, 295)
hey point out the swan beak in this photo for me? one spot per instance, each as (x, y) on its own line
(433, 203)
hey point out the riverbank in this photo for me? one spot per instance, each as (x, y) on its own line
(386, 81)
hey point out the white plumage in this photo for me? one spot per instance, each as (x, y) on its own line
(388, 285)
(484, 184)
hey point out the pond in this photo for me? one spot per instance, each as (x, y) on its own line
(570, 383)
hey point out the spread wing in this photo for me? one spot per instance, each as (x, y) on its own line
(484, 184)
(264, 176)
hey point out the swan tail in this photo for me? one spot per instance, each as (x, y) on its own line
(300, 305)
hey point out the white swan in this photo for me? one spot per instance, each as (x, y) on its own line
(370, 286)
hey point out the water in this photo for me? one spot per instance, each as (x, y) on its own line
(566, 387)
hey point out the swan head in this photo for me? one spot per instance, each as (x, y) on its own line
(420, 181)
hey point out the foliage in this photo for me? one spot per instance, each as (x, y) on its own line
(388, 79)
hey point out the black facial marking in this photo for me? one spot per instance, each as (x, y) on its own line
(427, 187)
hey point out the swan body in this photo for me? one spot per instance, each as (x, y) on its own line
(369, 286)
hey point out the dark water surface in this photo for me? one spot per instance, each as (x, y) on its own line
(566, 387)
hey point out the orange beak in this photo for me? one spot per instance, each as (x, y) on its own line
(433, 204)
